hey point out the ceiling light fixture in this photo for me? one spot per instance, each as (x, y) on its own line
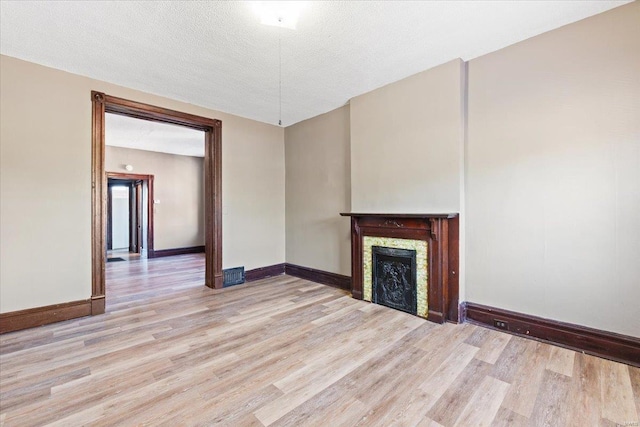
(283, 14)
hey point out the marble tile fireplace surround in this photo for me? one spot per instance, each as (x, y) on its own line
(406, 261)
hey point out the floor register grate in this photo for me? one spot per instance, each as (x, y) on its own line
(232, 276)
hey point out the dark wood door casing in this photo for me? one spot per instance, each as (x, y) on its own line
(102, 104)
(109, 218)
(138, 214)
(132, 219)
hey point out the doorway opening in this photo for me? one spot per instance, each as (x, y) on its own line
(212, 128)
(130, 216)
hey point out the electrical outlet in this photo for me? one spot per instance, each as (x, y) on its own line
(500, 324)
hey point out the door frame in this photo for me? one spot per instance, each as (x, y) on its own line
(101, 104)
(138, 214)
(149, 180)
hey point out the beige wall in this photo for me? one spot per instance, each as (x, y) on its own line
(553, 188)
(45, 182)
(317, 190)
(546, 175)
(407, 142)
(178, 185)
(548, 180)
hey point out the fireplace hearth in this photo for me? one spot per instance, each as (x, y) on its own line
(394, 278)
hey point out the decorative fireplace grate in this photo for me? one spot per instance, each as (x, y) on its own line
(394, 278)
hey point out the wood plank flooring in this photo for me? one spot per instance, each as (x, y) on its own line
(288, 352)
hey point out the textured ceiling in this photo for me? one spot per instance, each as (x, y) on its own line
(218, 55)
(127, 132)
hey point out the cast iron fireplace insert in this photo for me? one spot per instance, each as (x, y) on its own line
(394, 278)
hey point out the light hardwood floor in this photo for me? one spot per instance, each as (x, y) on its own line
(285, 351)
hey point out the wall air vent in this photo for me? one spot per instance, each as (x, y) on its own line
(232, 276)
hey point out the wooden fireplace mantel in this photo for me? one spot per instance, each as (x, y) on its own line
(440, 231)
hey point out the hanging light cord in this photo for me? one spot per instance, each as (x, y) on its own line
(280, 71)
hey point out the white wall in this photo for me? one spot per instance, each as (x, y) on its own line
(553, 188)
(45, 182)
(120, 217)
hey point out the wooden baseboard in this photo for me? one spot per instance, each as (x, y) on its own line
(98, 303)
(609, 345)
(263, 272)
(319, 276)
(176, 251)
(38, 316)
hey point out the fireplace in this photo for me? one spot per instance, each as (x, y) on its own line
(431, 239)
(394, 278)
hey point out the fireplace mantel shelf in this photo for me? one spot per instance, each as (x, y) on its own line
(401, 215)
